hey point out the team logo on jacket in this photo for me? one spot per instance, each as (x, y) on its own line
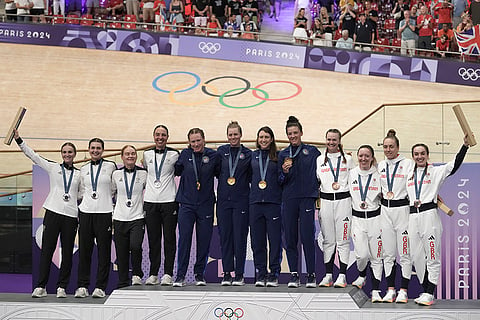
(205, 159)
(242, 156)
(305, 152)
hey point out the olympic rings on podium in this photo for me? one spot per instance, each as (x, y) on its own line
(228, 313)
(212, 91)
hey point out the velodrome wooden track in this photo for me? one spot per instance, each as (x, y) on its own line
(75, 94)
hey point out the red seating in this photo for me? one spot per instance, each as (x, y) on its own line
(380, 45)
(130, 21)
(73, 19)
(115, 25)
(397, 43)
(87, 20)
(58, 19)
(338, 34)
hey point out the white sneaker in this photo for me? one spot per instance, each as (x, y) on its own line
(136, 281)
(390, 296)
(376, 296)
(151, 281)
(238, 281)
(425, 299)
(166, 280)
(81, 292)
(39, 293)
(359, 283)
(98, 293)
(341, 281)
(179, 282)
(327, 281)
(402, 297)
(61, 293)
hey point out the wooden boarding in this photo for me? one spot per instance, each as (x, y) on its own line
(15, 124)
(464, 124)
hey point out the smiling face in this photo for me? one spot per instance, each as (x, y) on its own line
(196, 142)
(332, 141)
(129, 157)
(365, 158)
(420, 156)
(390, 148)
(68, 154)
(95, 150)
(234, 136)
(264, 139)
(294, 135)
(160, 136)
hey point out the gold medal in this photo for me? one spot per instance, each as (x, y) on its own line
(417, 203)
(198, 185)
(231, 181)
(390, 195)
(288, 161)
(363, 205)
(336, 186)
(262, 184)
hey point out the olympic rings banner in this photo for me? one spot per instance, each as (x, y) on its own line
(329, 59)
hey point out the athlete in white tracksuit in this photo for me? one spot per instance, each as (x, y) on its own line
(365, 189)
(335, 213)
(394, 217)
(425, 227)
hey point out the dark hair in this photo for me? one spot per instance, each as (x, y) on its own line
(128, 146)
(340, 146)
(69, 144)
(273, 146)
(420, 145)
(160, 126)
(391, 134)
(96, 140)
(293, 122)
(369, 147)
(233, 125)
(194, 131)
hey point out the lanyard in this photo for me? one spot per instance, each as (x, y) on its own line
(95, 180)
(337, 171)
(263, 170)
(66, 186)
(390, 181)
(418, 188)
(233, 167)
(363, 192)
(158, 169)
(296, 153)
(195, 170)
(129, 189)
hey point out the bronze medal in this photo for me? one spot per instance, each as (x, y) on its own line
(231, 181)
(262, 184)
(363, 205)
(389, 195)
(288, 161)
(198, 185)
(336, 186)
(417, 203)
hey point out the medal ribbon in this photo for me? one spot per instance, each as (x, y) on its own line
(418, 188)
(66, 186)
(336, 172)
(296, 153)
(233, 167)
(158, 169)
(363, 192)
(390, 181)
(195, 170)
(263, 170)
(95, 180)
(129, 189)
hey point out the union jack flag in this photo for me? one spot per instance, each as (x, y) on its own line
(469, 41)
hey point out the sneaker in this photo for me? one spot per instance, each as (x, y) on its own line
(294, 280)
(136, 281)
(238, 280)
(227, 279)
(260, 281)
(272, 281)
(98, 293)
(152, 280)
(39, 293)
(81, 292)
(311, 281)
(376, 296)
(61, 293)
(327, 281)
(179, 282)
(166, 280)
(341, 281)
(359, 283)
(402, 297)
(200, 280)
(425, 299)
(390, 296)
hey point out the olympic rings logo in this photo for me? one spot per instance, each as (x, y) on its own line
(228, 313)
(208, 47)
(211, 91)
(469, 74)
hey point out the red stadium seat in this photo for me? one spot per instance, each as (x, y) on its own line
(115, 25)
(58, 19)
(130, 21)
(396, 43)
(338, 34)
(87, 20)
(380, 45)
(73, 19)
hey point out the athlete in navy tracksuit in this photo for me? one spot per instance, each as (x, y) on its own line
(297, 175)
(232, 207)
(196, 167)
(265, 213)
